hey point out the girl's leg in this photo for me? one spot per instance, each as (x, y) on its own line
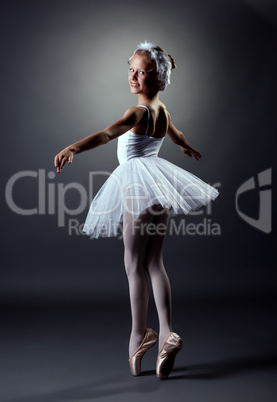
(158, 276)
(135, 240)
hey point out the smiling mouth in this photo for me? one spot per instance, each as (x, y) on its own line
(134, 85)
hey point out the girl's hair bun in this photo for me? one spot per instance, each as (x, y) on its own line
(173, 63)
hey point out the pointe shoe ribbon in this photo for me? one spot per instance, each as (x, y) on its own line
(167, 354)
(149, 340)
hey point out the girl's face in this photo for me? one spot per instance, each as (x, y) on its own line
(142, 77)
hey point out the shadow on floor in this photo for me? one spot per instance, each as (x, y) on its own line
(147, 384)
(222, 369)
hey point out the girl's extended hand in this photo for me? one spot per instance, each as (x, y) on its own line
(62, 157)
(191, 152)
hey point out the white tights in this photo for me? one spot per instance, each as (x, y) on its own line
(143, 255)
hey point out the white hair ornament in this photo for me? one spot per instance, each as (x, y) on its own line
(162, 60)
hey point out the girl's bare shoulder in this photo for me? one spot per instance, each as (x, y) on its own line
(134, 112)
(163, 110)
(162, 107)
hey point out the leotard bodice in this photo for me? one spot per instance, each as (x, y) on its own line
(131, 145)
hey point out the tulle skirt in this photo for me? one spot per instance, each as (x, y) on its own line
(137, 185)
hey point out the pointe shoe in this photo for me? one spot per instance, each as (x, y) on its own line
(167, 354)
(149, 340)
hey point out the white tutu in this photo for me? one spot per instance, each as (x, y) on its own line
(138, 184)
(141, 180)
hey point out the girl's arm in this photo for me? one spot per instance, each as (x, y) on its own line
(130, 119)
(178, 138)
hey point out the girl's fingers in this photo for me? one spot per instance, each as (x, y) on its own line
(196, 155)
(56, 159)
(60, 160)
(61, 163)
(64, 159)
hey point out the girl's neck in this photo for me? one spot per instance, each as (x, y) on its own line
(149, 98)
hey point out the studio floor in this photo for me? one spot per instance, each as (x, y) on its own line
(63, 352)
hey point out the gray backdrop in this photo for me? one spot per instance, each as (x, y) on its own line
(64, 76)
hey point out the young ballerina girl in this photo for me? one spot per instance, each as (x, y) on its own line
(141, 193)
